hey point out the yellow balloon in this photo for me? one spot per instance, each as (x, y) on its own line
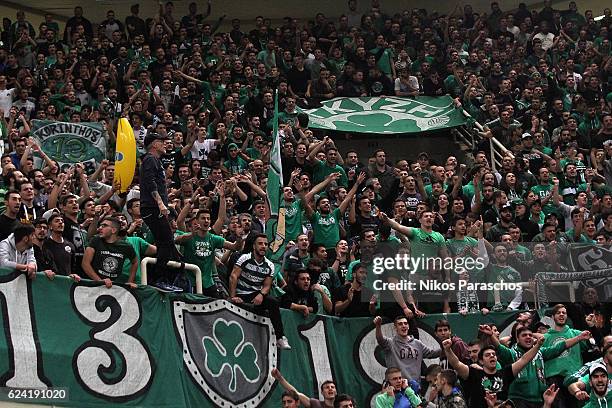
(125, 155)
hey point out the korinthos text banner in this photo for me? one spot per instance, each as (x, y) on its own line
(138, 347)
(70, 143)
(387, 114)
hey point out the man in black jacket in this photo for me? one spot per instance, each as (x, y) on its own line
(154, 209)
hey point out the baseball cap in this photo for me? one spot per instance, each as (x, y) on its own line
(47, 214)
(526, 135)
(152, 136)
(541, 324)
(597, 366)
(54, 216)
(507, 206)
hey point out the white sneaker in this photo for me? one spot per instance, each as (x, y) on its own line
(283, 343)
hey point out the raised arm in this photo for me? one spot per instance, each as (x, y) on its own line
(583, 336)
(222, 213)
(380, 339)
(187, 77)
(407, 231)
(522, 362)
(321, 186)
(349, 197)
(276, 374)
(316, 149)
(462, 369)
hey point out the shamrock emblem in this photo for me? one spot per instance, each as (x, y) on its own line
(226, 349)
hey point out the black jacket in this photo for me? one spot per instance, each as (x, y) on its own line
(152, 178)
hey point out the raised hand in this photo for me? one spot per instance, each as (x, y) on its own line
(550, 394)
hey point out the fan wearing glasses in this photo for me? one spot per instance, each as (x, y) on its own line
(106, 253)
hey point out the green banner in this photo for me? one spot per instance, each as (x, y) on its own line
(70, 143)
(139, 347)
(275, 226)
(387, 115)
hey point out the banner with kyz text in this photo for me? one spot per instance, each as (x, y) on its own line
(139, 347)
(70, 143)
(387, 114)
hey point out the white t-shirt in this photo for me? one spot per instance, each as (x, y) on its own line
(412, 80)
(200, 150)
(547, 39)
(6, 100)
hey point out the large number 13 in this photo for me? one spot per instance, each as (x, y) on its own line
(114, 315)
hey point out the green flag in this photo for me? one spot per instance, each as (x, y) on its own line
(275, 227)
(386, 115)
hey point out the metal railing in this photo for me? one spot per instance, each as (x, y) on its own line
(526, 286)
(470, 138)
(173, 264)
(498, 151)
(463, 136)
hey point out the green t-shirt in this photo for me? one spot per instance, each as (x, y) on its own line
(236, 166)
(453, 86)
(209, 91)
(326, 228)
(322, 170)
(530, 382)
(525, 251)
(543, 192)
(201, 252)
(462, 248)
(253, 153)
(293, 219)
(384, 62)
(140, 247)
(286, 117)
(570, 360)
(425, 245)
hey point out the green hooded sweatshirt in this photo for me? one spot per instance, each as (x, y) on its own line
(530, 382)
(570, 360)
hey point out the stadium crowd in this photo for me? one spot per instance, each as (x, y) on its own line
(202, 106)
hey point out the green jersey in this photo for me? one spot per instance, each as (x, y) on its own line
(289, 118)
(530, 382)
(140, 247)
(570, 360)
(427, 246)
(236, 166)
(543, 192)
(210, 91)
(600, 402)
(253, 153)
(326, 228)
(322, 170)
(293, 219)
(462, 248)
(201, 252)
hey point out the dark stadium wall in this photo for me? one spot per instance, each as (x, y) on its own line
(439, 145)
(95, 10)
